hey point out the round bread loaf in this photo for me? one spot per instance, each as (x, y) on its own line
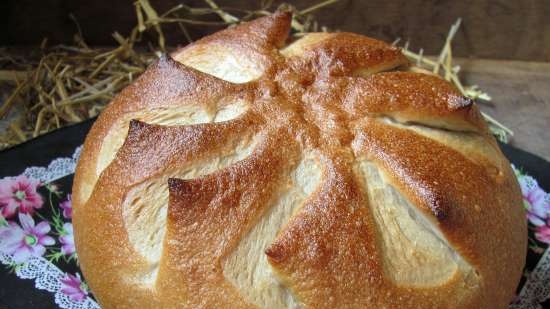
(244, 172)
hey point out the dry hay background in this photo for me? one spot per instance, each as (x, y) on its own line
(55, 86)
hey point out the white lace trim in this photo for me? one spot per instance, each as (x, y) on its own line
(58, 168)
(48, 277)
(537, 288)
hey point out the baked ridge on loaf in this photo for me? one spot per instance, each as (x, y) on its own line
(243, 171)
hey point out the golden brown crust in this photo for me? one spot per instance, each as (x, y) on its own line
(166, 83)
(329, 259)
(136, 162)
(257, 40)
(207, 217)
(326, 97)
(329, 54)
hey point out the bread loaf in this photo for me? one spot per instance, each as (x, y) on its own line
(243, 171)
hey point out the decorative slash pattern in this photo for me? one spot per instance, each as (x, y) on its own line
(70, 291)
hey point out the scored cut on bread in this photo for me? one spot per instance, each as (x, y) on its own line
(243, 171)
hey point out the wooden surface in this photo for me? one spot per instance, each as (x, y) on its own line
(521, 99)
(494, 29)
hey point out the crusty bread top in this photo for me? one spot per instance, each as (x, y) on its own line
(242, 173)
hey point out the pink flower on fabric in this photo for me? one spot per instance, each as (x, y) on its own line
(67, 207)
(26, 240)
(67, 239)
(73, 287)
(542, 233)
(536, 201)
(19, 193)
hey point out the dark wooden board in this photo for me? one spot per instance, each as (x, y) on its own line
(496, 29)
(521, 98)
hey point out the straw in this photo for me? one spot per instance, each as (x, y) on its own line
(69, 84)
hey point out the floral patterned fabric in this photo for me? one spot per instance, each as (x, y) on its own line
(35, 223)
(537, 204)
(36, 237)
